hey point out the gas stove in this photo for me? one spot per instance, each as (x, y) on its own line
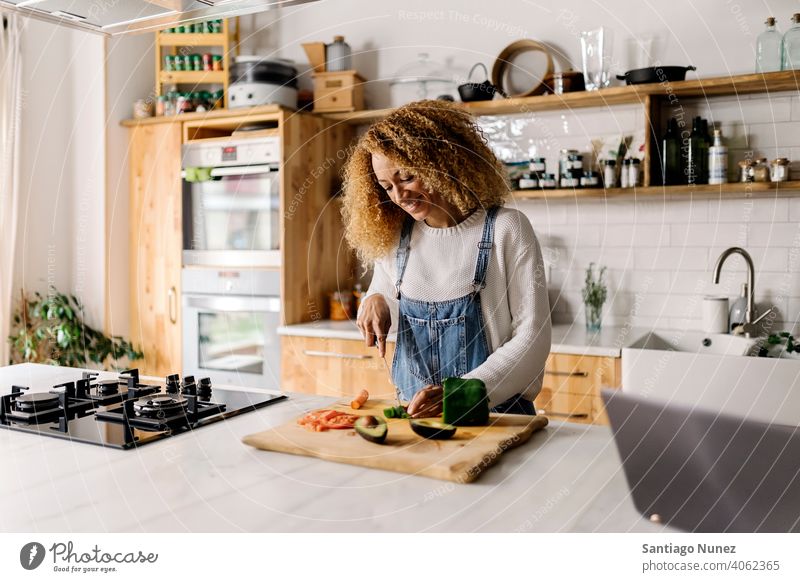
(124, 413)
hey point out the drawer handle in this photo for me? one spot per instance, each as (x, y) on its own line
(564, 414)
(339, 355)
(568, 374)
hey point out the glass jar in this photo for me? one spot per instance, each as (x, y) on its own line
(537, 165)
(761, 170)
(528, 181)
(609, 173)
(569, 160)
(422, 79)
(197, 62)
(746, 170)
(208, 62)
(779, 170)
(570, 179)
(216, 62)
(625, 174)
(547, 182)
(590, 179)
(169, 63)
(633, 173)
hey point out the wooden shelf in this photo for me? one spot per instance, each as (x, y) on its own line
(627, 95)
(704, 190)
(193, 77)
(191, 39)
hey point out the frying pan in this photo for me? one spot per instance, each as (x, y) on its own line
(655, 75)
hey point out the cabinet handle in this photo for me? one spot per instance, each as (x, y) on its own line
(172, 300)
(564, 414)
(569, 374)
(341, 356)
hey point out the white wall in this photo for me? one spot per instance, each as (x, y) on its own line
(60, 239)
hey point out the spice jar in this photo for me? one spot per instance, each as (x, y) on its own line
(537, 165)
(610, 173)
(547, 181)
(779, 171)
(341, 305)
(169, 63)
(590, 179)
(161, 106)
(570, 179)
(142, 108)
(528, 181)
(208, 62)
(197, 62)
(625, 174)
(633, 173)
(216, 62)
(746, 169)
(761, 170)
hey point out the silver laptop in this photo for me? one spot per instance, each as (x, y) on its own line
(699, 471)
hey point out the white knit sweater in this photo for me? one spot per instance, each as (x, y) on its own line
(514, 303)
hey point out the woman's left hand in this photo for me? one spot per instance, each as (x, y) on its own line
(427, 402)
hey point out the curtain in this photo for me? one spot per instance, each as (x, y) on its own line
(10, 116)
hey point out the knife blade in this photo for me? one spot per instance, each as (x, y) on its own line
(389, 374)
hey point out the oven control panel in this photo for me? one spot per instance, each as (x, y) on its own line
(233, 152)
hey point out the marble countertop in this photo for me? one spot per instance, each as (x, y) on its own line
(566, 478)
(567, 339)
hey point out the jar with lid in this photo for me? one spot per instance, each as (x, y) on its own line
(528, 181)
(161, 105)
(610, 173)
(537, 165)
(337, 55)
(570, 179)
(169, 63)
(590, 179)
(633, 172)
(625, 174)
(197, 62)
(547, 181)
(761, 170)
(216, 62)
(779, 171)
(569, 160)
(746, 170)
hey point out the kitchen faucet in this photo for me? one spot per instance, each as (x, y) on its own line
(749, 327)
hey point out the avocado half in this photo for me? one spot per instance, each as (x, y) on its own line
(372, 428)
(432, 429)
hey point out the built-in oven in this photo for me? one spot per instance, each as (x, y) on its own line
(231, 202)
(231, 317)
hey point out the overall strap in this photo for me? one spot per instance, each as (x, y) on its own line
(402, 251)
(479, 280)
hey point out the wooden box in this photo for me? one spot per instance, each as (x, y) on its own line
(338, 92)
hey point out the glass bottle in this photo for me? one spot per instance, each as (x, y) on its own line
(694, 157)
(768, 48)
(790, 47)
(671, 155)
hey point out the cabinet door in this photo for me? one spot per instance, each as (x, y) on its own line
(155, 246)
(334, 367)
(572, 384)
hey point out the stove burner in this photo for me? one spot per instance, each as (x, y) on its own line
(160, 406)
(36, 402)
(108, 387)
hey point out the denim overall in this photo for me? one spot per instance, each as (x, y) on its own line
(442, 339)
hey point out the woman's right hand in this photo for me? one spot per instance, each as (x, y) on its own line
(374, 321)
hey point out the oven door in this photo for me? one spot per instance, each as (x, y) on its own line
(232, 219)
(232, 339)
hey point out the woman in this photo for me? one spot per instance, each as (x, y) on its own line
(460, 276)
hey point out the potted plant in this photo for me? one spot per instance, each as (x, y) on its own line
(594, 296)
(51, 330)
(779, 345)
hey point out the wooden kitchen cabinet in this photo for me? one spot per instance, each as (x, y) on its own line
(572, 384)
(334, 367)
(155, 246)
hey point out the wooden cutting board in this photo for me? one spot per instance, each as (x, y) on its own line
(462, 458)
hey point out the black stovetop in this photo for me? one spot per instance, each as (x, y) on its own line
(124, 413)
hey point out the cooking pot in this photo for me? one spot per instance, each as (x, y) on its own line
(655, 75)
(257, 81)
(483, 91)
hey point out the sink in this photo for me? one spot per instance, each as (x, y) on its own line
(697, 342)
(677, 366)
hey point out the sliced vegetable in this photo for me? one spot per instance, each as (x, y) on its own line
(396, 412)
(371, 428)
(465, 402)
(432, 429)
(359, 400)
(322, 420)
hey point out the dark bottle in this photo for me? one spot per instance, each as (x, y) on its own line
(694, 154)
(671, 155)
(708, 141)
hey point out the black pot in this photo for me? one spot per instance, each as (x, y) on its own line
(483, 91)
(264, 71)
(655, 75)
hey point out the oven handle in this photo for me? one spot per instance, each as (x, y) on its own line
(216, 303)
(238, 170)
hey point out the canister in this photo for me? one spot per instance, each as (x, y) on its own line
(779, 170)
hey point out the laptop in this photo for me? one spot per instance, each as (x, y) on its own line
(700, 471)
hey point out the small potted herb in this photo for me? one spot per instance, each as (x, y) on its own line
(780, 345)
(594, 297)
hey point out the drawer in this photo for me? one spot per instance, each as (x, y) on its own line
(565, 406)
(567, 373)
(340, 91)
(334, 367)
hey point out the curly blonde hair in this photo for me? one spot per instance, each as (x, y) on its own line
(440, 144)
